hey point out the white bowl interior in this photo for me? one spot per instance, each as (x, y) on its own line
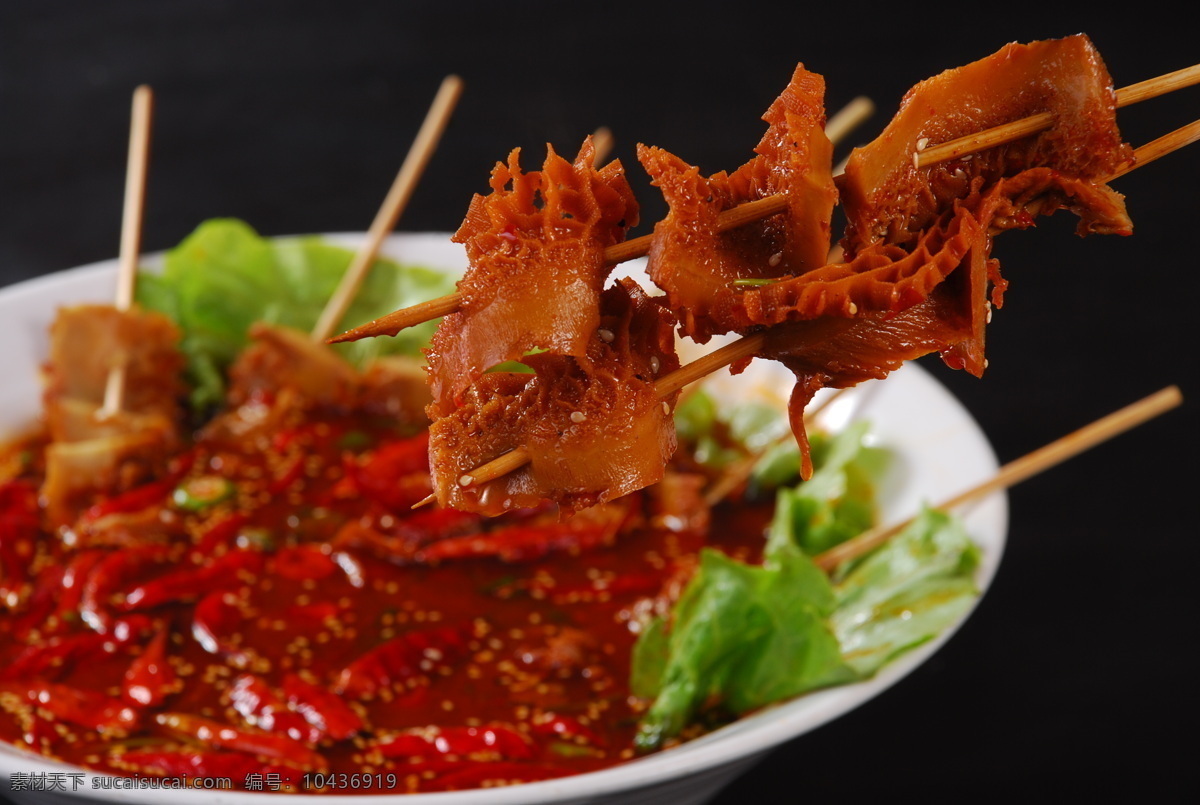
(939, 448)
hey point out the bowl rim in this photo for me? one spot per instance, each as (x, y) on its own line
(755, 734)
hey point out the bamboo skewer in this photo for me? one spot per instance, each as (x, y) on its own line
(840, 125)
(750, 345)
(393, 205)
(444, 305)
(131, 232)
(1144, 155)
(1020, 469)
(848, 118)
(743, 214)
(602, 142)
(738, 473)
(665, 386)
(1134, 93)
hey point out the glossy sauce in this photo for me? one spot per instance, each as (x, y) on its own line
(304, 626)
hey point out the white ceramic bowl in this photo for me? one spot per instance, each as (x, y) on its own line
(940, 452)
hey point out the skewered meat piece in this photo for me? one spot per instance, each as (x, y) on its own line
(282, 358)
(96, 452)
(919, 276)
(889, 200)
(594, 425)
(284, 372)
(920, 239)
(88, 341)
(536, 250)
(695, 264)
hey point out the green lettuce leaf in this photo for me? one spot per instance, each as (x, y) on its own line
(744, 636)
(838, 502)
(225, 276)
(906, 592)
(741, 635)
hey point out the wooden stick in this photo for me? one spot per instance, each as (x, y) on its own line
(852, 114)
(1007, 133)
(131, 231)
(602, 142)
(749, 345)
(1018, 470)
(666, 385)
(764, 207)
(393, 205)
(1144, 155)
(739, 472)
(848, 118)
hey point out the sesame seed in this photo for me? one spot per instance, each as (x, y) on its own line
(922, 143)
(466, 480)
(775, 259)
(607, 336)
(578, 416)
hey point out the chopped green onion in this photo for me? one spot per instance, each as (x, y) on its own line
(354, 440)
(195, 494)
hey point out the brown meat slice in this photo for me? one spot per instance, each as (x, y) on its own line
(920, 239)
(87, 341)
(95, 452)
(888, 199)
(594, 426)
(281, 358)
(695, 265)
(535, 247)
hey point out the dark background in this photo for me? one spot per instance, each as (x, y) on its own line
(1077, 675)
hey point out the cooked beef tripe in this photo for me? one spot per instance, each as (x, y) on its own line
(536, 250)
(594, 426)
(695, 264)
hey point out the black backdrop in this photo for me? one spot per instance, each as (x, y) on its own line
(1077, 673)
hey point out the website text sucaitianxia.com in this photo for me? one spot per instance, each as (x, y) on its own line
(79, 781)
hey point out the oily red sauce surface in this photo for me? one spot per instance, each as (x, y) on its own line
(312, 624)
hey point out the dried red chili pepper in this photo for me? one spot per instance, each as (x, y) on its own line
(395, 475)
(416, 653)
(194, 763)
(292, 472)
(220, 534)
(150, 679)
(37, 607)
(225, 736)
(495, 741)
(225, 572)
(302, 562)
(83, 708)
(261, 707)
(323, 708)
(111, 573)
(215, 621)
(59, 653)
(145, 495)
